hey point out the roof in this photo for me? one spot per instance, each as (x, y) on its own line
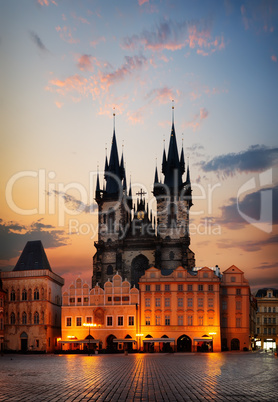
(33, 257)
(263, 292)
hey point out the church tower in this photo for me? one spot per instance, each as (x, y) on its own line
(130, 238)
(174, 200)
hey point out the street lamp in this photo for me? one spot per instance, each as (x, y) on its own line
(88, 324)
(139, 336)
(212, 333)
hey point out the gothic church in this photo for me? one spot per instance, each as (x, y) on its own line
(130, 238)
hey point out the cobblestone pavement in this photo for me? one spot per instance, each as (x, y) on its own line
(139, 377)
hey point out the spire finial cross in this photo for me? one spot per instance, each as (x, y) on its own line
(141, 193)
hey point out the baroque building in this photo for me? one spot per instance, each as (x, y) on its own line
(267, 318)
(32, 306)
(130, 238)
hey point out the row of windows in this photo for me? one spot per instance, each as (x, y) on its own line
(190, 320)
(267, 309)
(109, 299)
(269, 320)
(225, 305)
(167, 302)
(33, 319)
(224, 322)
(181, 288)
(267, 331)
(25, 296)
(109, 321)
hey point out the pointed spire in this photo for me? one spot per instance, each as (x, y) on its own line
(156, 176)
(182, 164)
(188, 172)
(97, 185)
(113, 168)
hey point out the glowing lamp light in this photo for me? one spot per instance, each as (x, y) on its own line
(139, 334)
(88, 324)
(59, 339)
(212, 333)
(71, 337)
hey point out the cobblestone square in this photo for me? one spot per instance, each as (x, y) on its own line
(139, 377)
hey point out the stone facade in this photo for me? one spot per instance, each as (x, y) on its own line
(33, 303)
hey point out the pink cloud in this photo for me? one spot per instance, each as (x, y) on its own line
(161, 95)
(274, 58)
(137, 117)
(46, 2)
(85, 63)
(197, 119)
(80, 19)
(72, 83)
(66, 34)
(172, 35)
(131, 65)
(59, 104)
(95, 42)
(141, 2)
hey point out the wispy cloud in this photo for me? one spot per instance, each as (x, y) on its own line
(141, 2)
(161, 95)
(173, 35)
(274, 58)
(197, 119)
(95, 42)
(131, 65)
(66, 35)
(85, 63)
(249, 245)
(38, 42)
(46, 2)
(255, 159)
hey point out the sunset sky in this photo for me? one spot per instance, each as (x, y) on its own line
(66, 64)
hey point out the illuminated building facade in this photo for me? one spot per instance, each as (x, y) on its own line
(113, 313)
(2, 318)
(267, 318)
(32, 307)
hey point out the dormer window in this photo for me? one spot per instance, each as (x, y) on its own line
(269, 294)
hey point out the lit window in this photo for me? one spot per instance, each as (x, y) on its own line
(148, 288)
(180, 302)
(131, 320)
(180, 319)
(147, 302)
(200, 302)
(157, 302)
(120, 321)
(78, 321)
(148, 320)
(167, 320)
(167, 288)
(190, 302)
(68, 322)
(109, 321)
(167, 301)
(157, 320)
(180, 288)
